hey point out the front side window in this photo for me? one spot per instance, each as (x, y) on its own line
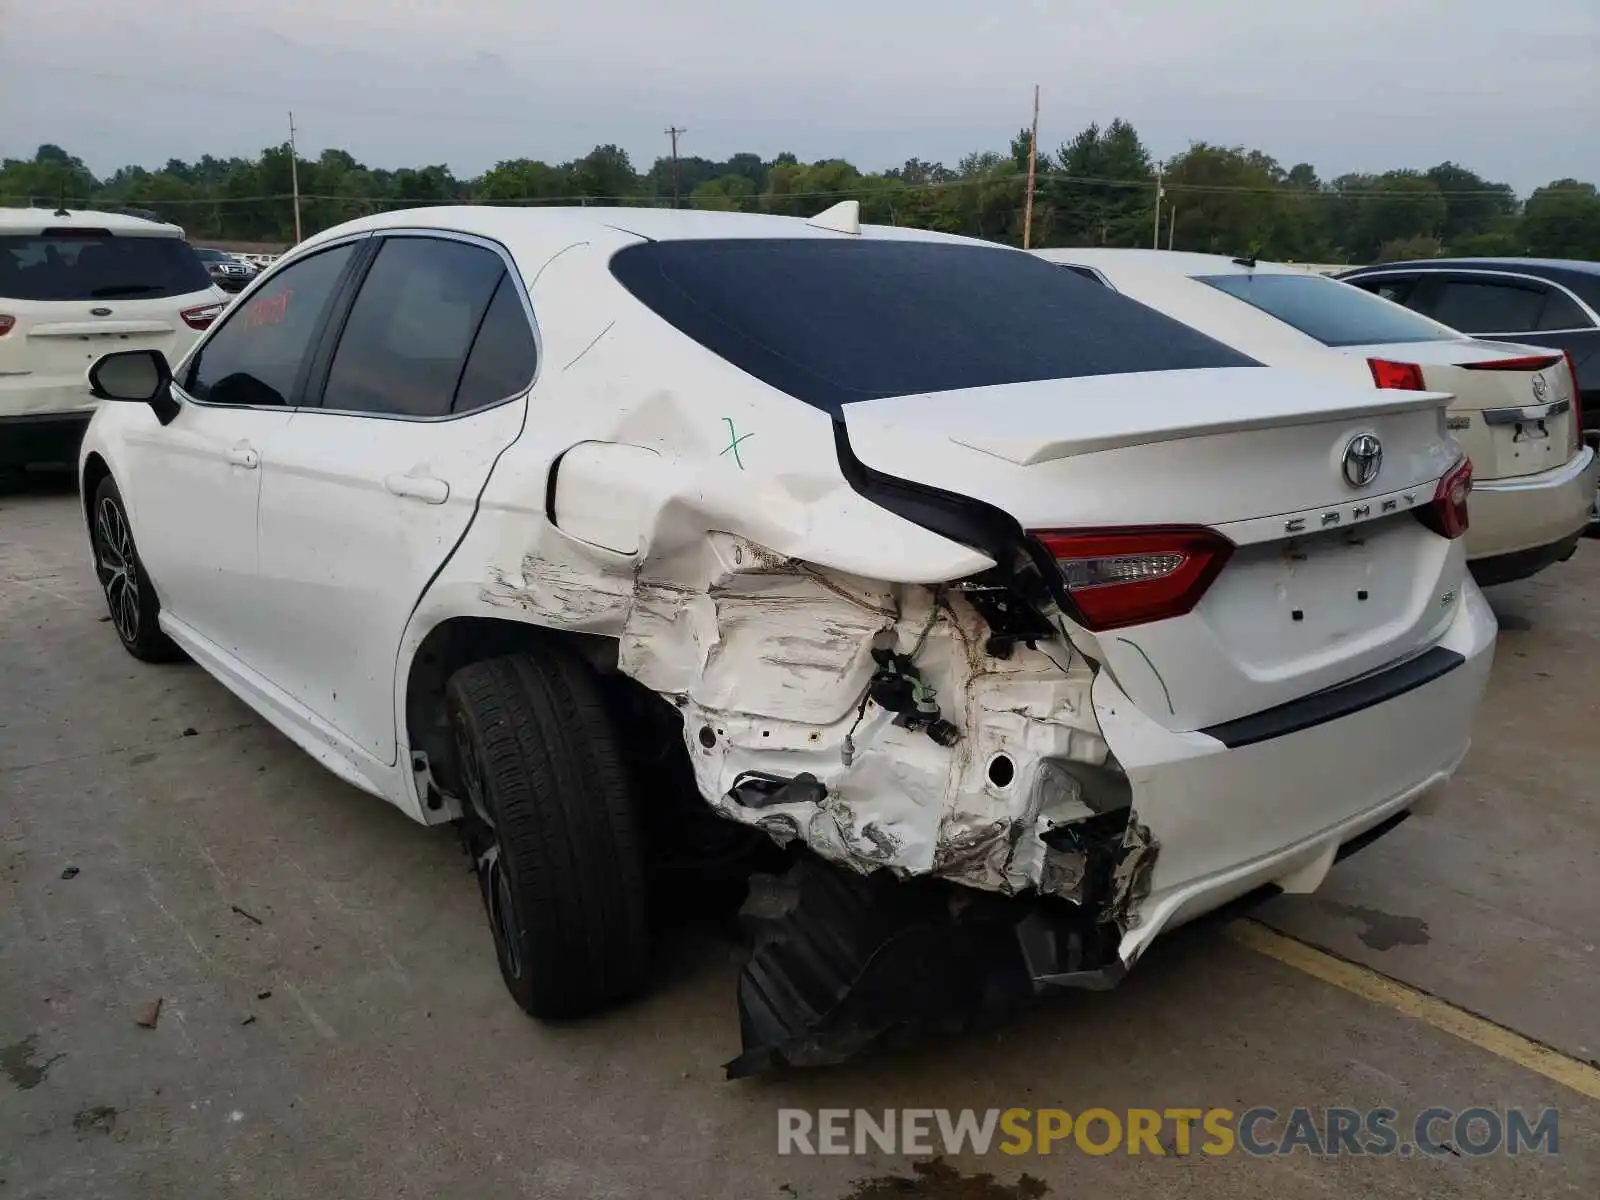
(95, 264)
(256, 356)
(1395, 288)
(835, 322)
(405, 343)
(1488, 306)
(1334, 313)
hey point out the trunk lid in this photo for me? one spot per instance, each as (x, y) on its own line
(1513, 411)
(1328, 580)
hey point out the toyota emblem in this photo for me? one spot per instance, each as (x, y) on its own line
(1363, 458)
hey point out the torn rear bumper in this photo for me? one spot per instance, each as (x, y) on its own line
(844, 964)
(1231, 819)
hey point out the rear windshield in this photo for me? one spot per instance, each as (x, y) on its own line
(1336, 314)
(94, 265)
(835, 322)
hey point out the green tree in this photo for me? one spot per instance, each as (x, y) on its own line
(1102, 192)
(1562, 220)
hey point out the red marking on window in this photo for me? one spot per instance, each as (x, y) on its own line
(269, 310)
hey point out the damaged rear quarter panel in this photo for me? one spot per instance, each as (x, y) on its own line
(752, 600)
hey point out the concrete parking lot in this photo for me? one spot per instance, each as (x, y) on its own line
(332, 1023)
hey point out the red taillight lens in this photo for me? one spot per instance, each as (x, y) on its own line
(1404, 377)
(1120, 577)
(201, 317)
(1578, 400)
(1447, 515)
(6, 323)
(1532, 362)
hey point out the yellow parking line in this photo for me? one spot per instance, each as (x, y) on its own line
(1441, 1014)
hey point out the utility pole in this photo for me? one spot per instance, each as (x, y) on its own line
(1155, 235)
(674, 133)
(1172, 224)
(1033, 162)
(294, 180)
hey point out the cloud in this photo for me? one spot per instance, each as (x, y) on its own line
(1358, 84)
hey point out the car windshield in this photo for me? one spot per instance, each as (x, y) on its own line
(1336, 314)
(212, 255)
(833, 322)
(92, 264)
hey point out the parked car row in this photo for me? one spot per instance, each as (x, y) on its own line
(1517, 408)
(1030, 616)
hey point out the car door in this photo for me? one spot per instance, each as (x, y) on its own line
(193, 486)
(370, 491)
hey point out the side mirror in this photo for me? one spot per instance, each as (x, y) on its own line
(137, 377)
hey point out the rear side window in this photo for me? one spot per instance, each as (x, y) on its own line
(1561, 311)
(94, 264)
(503, 356)
(256, 355)
(1484, 306)
(832, 322)
(405, 343)
(1334, 313)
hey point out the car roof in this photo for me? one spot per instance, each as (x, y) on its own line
(1526, 265)
(1173, 262)
(24, 221)
(541, 230)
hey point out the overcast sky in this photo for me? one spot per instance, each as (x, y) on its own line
(1509, 89)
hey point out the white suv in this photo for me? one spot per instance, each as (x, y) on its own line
(75, 286)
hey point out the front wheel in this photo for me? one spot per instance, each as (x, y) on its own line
(130, 598)
(553, 830)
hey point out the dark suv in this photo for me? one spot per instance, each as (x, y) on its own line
(227, 272)
(1551, 302)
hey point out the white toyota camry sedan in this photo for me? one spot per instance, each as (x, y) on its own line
(955, 574)
(1515, 408)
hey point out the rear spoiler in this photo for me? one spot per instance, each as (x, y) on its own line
(1106, 412)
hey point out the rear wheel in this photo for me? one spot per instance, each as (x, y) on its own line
(130, 598)
(553, 831)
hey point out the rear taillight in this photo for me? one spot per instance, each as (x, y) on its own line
(6, 323)
(1447, 515)
(1120, 577)
(1578, 402)
(201, 317)
(1404, 377)
(1531, 362)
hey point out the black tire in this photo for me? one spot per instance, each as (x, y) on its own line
(130, 597)
(556, 840)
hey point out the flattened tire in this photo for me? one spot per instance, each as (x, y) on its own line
(130, 596)
(554, 832)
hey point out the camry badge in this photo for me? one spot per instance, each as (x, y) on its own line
(1363, 458)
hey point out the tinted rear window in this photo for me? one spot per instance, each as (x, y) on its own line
(835, 322)
(89, 266)
(1334, 313)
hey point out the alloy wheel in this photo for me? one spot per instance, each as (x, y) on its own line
(117, 567)
(493, 877)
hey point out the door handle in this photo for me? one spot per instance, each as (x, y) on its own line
(244, 456)
(419, 487)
